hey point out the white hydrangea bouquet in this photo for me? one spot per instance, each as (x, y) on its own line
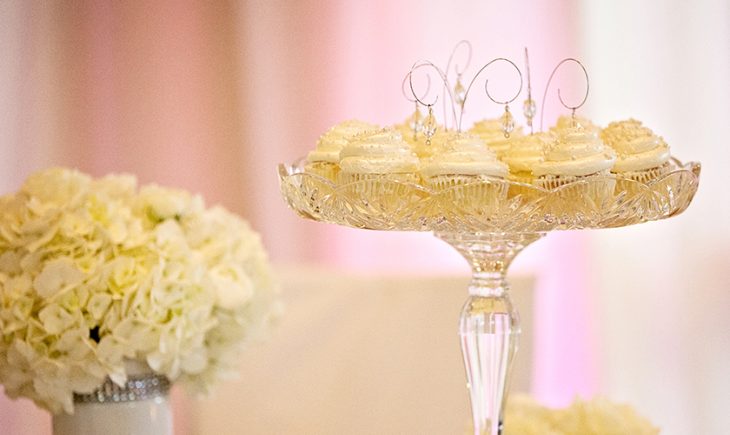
(95, 274)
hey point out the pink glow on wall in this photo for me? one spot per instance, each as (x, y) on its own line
(566, 362)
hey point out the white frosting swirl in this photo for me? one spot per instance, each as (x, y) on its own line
(490, 131)
(464, 155)
(380, 152)
(527, 151)
(578, 152)
(333, 140)
(637, 147)
(424, 150)
(568, 121)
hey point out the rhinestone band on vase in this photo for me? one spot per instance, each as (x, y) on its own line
(137, 388)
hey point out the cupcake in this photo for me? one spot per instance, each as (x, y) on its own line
(468, 173)
(461, 159)
(324, 160)
(382, 155)
(490, 131)
(379, 179)
(523, 155)
(641, 155)
(577, 153)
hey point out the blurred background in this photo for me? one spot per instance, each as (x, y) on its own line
(211, 96)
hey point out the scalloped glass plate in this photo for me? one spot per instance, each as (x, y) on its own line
(490, 205)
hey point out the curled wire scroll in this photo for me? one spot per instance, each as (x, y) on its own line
(444, 79)
(486, 86)
(466, 44)
(459, 71)
(405, 93)
(529, 81)
(528, 108)
(560, 97)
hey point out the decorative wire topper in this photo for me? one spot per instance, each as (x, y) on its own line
(507, 119)
(529, 108)
(458, 94)
(416, 124)
(560, 97)
(429, 126)
(459, 90)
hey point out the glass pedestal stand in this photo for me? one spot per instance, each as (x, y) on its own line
(489, 326)
(489, 222)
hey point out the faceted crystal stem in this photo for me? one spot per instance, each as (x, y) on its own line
(489, 326)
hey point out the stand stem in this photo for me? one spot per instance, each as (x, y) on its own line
(489, 326)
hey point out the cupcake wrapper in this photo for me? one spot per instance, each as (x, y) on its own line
(634, 190)
(447, 181)
(369, 198)
(647, 175)
(443, 182)
(474, 195)
(551, 182)
(327, 170)
(371, 186)
(352, 177)
(526, 192)
(598, 192)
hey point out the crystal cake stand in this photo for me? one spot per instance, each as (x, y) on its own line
(489, 231)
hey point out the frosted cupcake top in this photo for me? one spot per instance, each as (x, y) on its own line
(569, 121)
(636, 146)
(576, 152)
(490, 131)
(424, 150)
(527, 151)
(333, 140)
(406, 128)
(380, 152)
(463, 155)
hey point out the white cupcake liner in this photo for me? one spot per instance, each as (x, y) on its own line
(598, 189)
(473, 193)
(647, 175)
(326, 170)
(368, 187)
(345, 178)
(525, 178)
(396, 196)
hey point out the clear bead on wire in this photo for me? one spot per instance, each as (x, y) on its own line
(429, 125)
(508, 122)
(459, 92)
(416, 124)
(529, 108)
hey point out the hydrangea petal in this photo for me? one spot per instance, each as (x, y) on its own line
(57, 274)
